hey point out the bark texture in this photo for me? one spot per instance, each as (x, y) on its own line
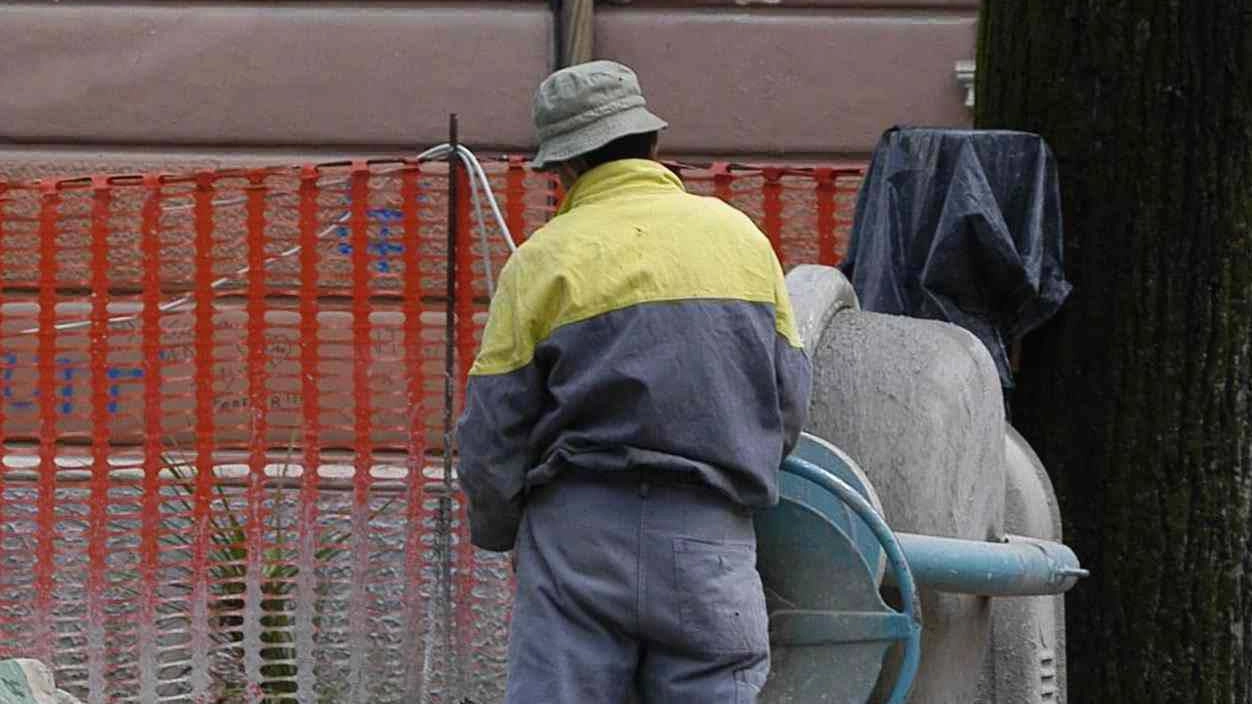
(1137, 395)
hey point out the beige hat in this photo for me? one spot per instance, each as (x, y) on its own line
(582, 108)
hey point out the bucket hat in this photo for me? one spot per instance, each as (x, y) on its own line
(584, 107)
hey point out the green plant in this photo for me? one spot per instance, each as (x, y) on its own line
(228, 577)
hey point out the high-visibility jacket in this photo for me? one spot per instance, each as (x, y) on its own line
(643, 328)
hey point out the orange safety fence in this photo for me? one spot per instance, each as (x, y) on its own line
(222, 420)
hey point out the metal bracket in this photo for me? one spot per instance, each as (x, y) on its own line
(799, 628)
(965, 71)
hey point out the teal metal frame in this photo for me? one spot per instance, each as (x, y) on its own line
(1016, 566)
(801, 628)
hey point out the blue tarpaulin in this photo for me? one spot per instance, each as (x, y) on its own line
(962, 226)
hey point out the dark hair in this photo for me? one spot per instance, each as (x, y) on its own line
(632, 146)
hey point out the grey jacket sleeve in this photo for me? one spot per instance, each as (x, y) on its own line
(794, 376)
(493, 439)
(792, 370)
(502, 404)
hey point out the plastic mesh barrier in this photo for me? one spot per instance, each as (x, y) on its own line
(221, 425)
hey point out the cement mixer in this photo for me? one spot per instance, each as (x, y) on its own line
(909, 485)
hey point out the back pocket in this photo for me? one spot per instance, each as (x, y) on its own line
(748, 684)
(722, 604)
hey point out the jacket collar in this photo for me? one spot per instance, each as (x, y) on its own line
(618, 178)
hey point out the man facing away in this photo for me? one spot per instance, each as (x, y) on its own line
(639, 382)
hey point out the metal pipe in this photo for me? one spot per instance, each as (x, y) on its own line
(449, 352)
(443, 606)
(578, 28)
(558, 33)
(1019, 566)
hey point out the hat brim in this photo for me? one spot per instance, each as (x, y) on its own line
(563, 147)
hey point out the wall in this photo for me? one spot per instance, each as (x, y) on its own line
(809, 80)
(115, 86)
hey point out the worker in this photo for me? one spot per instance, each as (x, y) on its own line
(639, 382)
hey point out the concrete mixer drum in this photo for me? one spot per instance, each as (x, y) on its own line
(821, 555)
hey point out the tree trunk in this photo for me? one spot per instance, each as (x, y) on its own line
(1137, 395)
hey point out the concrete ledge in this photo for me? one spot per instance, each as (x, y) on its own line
(35, 161)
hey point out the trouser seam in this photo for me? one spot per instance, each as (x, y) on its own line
(643, 507)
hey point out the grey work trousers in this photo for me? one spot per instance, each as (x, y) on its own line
(630, 590)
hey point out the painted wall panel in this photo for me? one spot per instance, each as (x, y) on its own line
(812, 82)
(802, 78)
(267, 74)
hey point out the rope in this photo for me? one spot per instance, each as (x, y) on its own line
(466, 156)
